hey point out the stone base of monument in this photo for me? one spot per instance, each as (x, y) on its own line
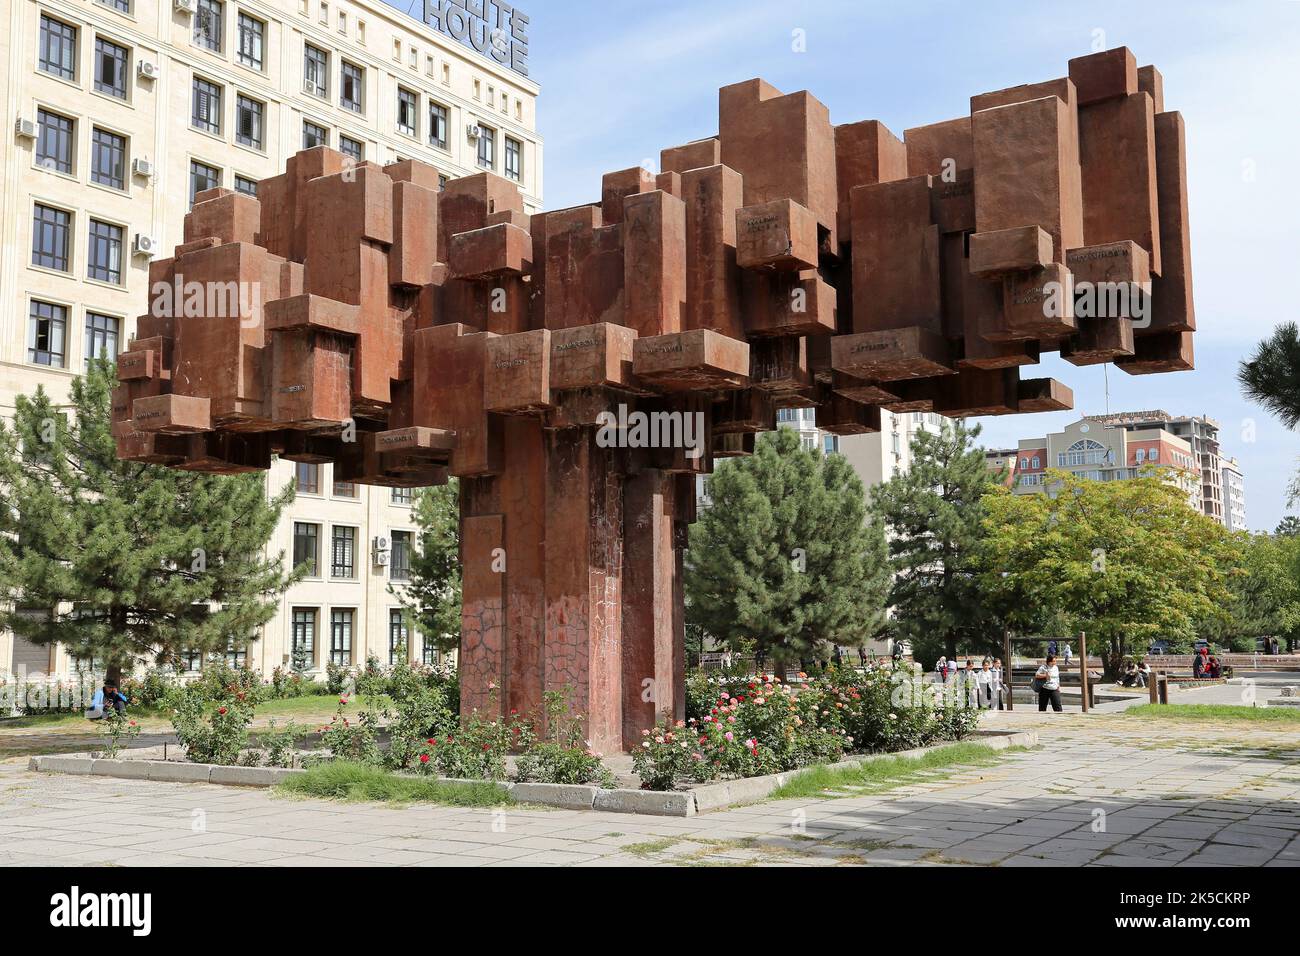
(1284, 702)
(147, 763)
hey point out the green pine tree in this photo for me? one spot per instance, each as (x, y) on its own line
(1271, 377)
(933, 513)
(126, 563)
(431, 596)
(786, 556)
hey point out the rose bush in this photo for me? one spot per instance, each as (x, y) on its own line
(767, 726)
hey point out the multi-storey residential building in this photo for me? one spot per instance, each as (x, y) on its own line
(1202, 433)
(1100, 452)
(1234, 495)
(122, 110)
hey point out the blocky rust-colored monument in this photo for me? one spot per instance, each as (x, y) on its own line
(784, 262)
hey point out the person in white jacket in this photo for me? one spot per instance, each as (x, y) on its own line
(998, 686)
(1048, 677)
(984, 683)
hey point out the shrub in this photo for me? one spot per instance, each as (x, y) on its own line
(337, 678)
(350, 740)
(419, 713)
(150, 691)
(767, 726)
(118, 728)
(212, 732)
(564, 757)
(218, 677)
(280, 743)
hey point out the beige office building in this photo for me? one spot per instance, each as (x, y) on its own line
(118, 111)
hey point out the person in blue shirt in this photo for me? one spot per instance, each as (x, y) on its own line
(106, 699)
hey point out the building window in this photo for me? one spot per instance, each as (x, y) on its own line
(514, 151)
(343, 563)
(1141, 455)
(438, 125)
(191, 660)
(122, 6)
(307, 478)
(314, 135)
(408, 105)
(400, 569)
(102, 334)
(341, 637)
(830, 444)
(246, 186)
(352, 147)
(46, 334)
(252, 34)
(1155, 455)
(344, 489)
(202, 176)
(248, 121)
(208, 24)
(110, 68)
(206, 113)
(398, 636)
(58, 52)
(442, 183)
(428, 652)
(236, 654)
(306, 546)
(315, 75)
(402, 496)
(54, 141)
(1033, 462)
(104, 252)
(108, 159)
(351, 87)
(51, 237)
(303, 648)
(487, 147)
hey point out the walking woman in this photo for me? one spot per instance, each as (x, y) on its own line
(1048, 681)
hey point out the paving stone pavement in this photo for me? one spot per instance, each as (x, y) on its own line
(1101, 791)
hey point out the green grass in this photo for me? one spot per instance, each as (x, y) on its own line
(341, 780)
(320, 706)
(1216, 712)
(889, 773)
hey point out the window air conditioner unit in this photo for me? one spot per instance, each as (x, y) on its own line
(144, 245)
(381, 543)
(25, 128)
(142, 167)
(183, 6)
(147, 70)
(381, 558)
(473, 131)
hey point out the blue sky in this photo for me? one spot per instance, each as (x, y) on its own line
(622, 80)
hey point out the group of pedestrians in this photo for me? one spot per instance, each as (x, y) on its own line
(982, 686)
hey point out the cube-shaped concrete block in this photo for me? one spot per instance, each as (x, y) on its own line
(312, 312)
(1112, 262)
(417, 442)
(1160, 352)
(841, 415)
(311, 378)
(788, 304)
(172, 414)
(780, 365)
(500, 250)
(776, 235)
(892, 354)
(1044, 395)
(592, 356)
(1005, 251)
(691, 361)
(1038, 304)
(617, 186)
(1105, 75)
(703, 152)
(518, 374)
(137, 364)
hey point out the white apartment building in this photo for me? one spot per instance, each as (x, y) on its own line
(119, 111)
(1234, 495)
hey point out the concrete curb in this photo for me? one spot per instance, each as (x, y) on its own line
(673, 803)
